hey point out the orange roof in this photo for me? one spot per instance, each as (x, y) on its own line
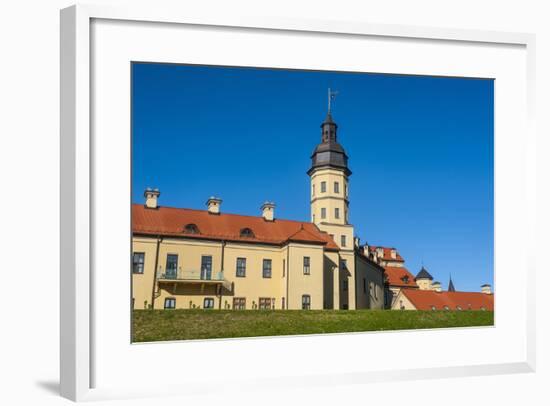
(387, 254)
(425, 299)
(396, 274)
(169, 221)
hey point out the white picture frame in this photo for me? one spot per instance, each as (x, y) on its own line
(77, 281)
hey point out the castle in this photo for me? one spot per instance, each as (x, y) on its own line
(186, 258)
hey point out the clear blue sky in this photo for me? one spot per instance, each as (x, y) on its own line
(420, 148)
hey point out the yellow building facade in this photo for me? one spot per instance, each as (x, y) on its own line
(187, 259)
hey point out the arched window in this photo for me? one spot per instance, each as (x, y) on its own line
(433, 307)
(458, 307)
(191, 229)
(446, 307)
(247, 233)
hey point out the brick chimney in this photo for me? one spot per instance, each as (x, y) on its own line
(486, 288)
(213, 205)
(151, 198)
(268, 211)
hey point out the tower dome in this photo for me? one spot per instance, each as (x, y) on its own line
(423, 274)
(329, 153)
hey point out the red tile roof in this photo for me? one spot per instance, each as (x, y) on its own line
(169, 221)
(395, 275)
(425, 299)
(387, 254)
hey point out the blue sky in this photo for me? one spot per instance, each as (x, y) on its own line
(420, 149)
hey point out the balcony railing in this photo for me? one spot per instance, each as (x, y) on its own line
(194, 275)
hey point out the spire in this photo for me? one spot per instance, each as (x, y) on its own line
(329, 153)
(451, 287)
(329, 127)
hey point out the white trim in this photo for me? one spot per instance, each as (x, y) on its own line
(76, 147)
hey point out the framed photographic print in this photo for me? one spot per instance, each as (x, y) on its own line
(260, 192)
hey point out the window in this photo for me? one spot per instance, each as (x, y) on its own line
(336, 187)
(446, 307)
(405, 279)
(345, 285)
(137, 262)
(283, 303)
(364, 285)
(323, 187)
(169, 303)
(401, 306)
(337, 213)
(284, 267)
(345, 306)
(344, 264)
(247, 233)
(266, 268)
(306, 302)
(306, 265)
(458, 307)
(171, 266)
(206, 267)
(208, 303)
(376, 288)
(313, 218)
(239, 303)
(265, 303)
(433, 307)
(313, 189)
(323, 213)
(241, 267)
(343, 241)
(191, 229)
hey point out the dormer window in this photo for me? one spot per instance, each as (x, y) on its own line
(191, 229)
(247, 233)
(405, 279)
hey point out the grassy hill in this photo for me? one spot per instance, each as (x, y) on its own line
(164, 325)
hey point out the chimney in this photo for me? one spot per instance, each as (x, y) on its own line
(213, 205)
(393, 253)
(151, 198)
(486, 288)
(436, 286)
(268, 211)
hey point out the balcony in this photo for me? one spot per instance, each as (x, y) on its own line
(193, 277)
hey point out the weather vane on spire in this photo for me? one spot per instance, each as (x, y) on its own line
(331, 96)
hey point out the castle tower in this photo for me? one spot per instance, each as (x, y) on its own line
(329, 194)
(423, 279)
(329, 174)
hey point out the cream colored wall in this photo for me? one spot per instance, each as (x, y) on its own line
(300, 284)
(368, 275)
(424, 284)
(331, 280)
(252, 287)
(347, 297)
(142, 284)
(401, 299)
(329, 199)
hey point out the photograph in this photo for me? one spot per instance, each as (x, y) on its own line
(277, 202)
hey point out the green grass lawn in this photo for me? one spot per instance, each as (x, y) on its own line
(163, 325)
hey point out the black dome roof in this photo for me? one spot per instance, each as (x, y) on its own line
(424, 274)
(329, 153)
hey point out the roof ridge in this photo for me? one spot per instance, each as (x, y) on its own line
(226, 214)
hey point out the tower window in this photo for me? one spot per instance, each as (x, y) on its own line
(337, 213)
(336, 187)
(323, 187)
(323, 213)
(313, 189)
(343, 241)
